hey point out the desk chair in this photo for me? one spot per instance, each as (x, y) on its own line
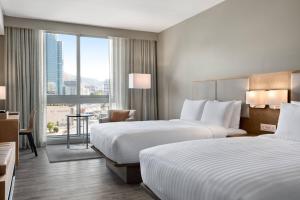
(28, 132)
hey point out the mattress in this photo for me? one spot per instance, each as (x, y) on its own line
(122, 141)
(244, 168)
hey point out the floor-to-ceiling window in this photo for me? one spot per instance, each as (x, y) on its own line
(77, 70)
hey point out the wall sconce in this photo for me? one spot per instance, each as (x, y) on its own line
(140, 81)
(261, 98)
(256, 98)
(276, 97)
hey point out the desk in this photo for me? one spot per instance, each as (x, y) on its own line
(9, 132)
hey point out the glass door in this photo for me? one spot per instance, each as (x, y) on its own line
(77, 69)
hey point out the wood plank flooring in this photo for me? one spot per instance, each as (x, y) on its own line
(36, 179)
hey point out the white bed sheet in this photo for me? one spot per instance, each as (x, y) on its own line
(244, 168)
(122, 141)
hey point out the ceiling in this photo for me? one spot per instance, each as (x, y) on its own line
(144, 15)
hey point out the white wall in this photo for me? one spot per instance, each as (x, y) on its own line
(235, 38)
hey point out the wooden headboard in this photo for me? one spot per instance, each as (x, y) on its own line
(235, 89)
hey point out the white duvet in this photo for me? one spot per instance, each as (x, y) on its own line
(122, 141)
(257, 168)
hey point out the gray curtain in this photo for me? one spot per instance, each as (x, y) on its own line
(133, 56)
(142, 59)
(119, 70)
(24, 78)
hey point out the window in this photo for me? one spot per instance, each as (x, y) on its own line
(94, 66)
(98, 110)
(61, 64)
(77, 71)
(57, 121)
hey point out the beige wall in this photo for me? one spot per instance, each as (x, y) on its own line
(235, 38)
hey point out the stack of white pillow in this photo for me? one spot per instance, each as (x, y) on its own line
(226, 114)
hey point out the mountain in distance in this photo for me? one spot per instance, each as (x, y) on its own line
(84, 80)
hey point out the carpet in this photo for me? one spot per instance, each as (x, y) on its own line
(60, 153)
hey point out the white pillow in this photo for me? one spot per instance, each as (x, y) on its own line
(228, 115)
(233, 115)
(236, 114)
(192, 110)
(235, 132)
(296, 102)
(215, 113)
(288, 125)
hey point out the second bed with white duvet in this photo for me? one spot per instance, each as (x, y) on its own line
(122, 141)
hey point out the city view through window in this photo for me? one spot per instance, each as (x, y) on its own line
(77, 81)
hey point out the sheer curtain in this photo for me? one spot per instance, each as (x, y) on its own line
(119, 70)
(25, 78)
(133, 56)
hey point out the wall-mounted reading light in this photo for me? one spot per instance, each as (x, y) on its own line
(256, 98)
(261, 98)
(276, 97)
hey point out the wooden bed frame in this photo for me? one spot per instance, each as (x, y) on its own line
(129, 173)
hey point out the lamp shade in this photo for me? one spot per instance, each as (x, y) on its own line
(2, 93)
(140, 81)
(276, 97)
(256, 98)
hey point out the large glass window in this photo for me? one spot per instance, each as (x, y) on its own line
(57, 121)
(97, 110)
(61, 64)
(94, 66)
(77, 69)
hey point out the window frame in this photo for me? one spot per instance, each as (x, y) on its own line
(78, 98)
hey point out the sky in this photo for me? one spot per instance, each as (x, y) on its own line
(94, 56)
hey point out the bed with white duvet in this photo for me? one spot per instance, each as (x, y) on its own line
(121, 142)
(244, 168)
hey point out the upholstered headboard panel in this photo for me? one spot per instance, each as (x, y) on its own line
(234, 89)
(223, 90)
(295, 87)
(204, 90)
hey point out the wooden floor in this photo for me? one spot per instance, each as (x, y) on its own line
(36, 178)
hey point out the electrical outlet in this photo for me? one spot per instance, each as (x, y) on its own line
(268, 128)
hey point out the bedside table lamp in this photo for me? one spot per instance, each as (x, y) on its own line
(2, 94)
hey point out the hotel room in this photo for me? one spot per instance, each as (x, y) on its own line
(140, 100)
